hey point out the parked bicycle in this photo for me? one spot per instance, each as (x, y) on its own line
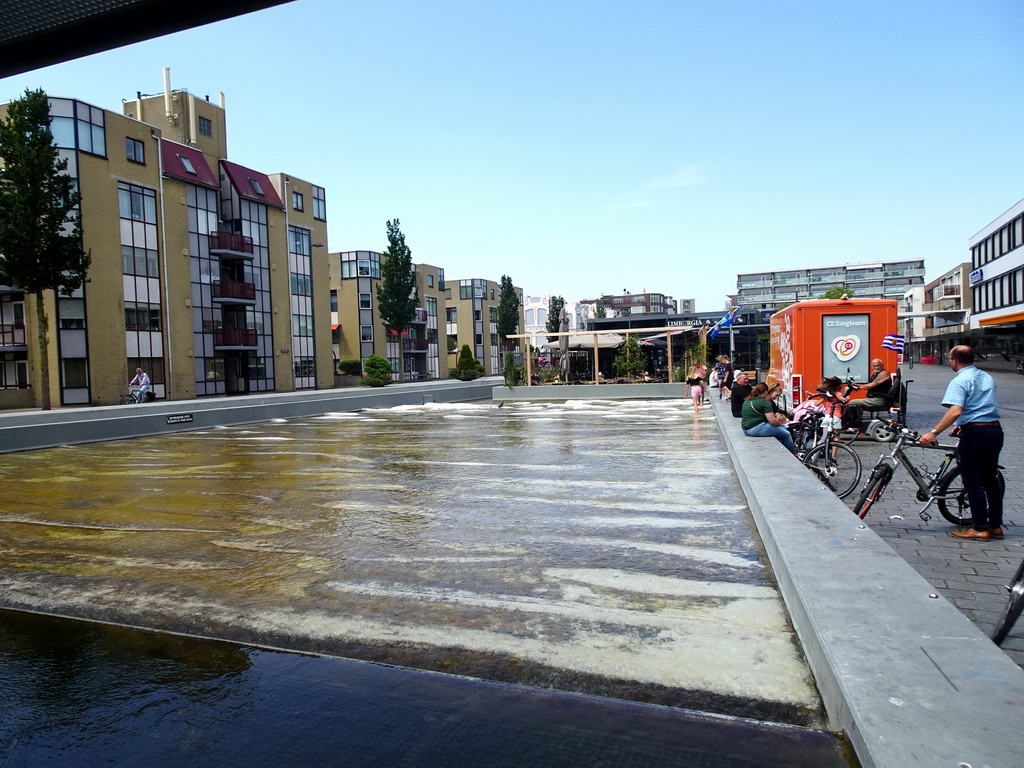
(1013, 608)
(816, 437)
(132, 397)
(943, 487)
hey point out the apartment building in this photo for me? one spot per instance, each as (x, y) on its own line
(644, 303)
(996, 281)
(535, 314)
(204, 272)
(471, 317)
(879, 280)
(358, 330)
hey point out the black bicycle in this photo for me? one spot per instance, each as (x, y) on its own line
(1012, 611)
(944, 486)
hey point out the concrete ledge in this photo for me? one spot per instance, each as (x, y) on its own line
(639, 391)
(28, 430)
(906, 676)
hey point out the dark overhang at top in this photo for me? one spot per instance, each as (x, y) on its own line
(38, 33)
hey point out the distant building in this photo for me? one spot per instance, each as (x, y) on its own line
(535, 312)
(879, 280)
(471, 317)
(947, 302)
(626, 303)
(996, 282)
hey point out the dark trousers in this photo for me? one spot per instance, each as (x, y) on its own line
(979, 467)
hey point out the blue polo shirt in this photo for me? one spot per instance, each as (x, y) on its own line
(975, 392)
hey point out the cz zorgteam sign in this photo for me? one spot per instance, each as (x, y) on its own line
(844, 345)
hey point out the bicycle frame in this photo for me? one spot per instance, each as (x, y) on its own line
(927, 482)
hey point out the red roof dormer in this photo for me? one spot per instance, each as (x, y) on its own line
(187, 163)
(250, 184)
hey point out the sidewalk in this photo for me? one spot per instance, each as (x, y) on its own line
(970, 574)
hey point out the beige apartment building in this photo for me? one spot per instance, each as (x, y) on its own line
(358, 330)
(471, 318)
(205, 273)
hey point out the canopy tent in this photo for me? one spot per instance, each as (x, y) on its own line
(586, 341)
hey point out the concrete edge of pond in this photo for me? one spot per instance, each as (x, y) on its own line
(29, 430)
(638, 391)
(903, 673)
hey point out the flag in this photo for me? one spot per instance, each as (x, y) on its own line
(894, 342)
(725, 322)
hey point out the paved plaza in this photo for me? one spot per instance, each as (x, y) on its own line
(971, 574)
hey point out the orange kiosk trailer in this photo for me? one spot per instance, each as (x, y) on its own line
(823, 337)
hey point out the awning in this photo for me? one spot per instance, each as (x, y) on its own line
(335, 327)
(1002, 320)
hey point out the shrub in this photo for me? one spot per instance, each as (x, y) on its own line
(514, 375)
(378, 372)
(468, 367)
(350, 368)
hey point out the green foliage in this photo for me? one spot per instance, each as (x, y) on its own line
(453, 343)
(508, 310)
(40, 229)
(378, 372)
(396, 292)
(555, 306)
(837, 293)
(600, 311)
(468, 367)
(514, 375)
(630, 360)
(350, 368)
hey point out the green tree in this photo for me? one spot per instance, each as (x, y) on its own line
(508, 311)
(396, 292)
(837, 293)
(40, 227)
(378, 372)
(514, 375)
(599, 310)
(630, 360)
(555, 306)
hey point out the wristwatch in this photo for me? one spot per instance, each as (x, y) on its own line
(935, 431)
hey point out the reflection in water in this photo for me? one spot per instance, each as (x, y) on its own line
(84, 694)
(595, 547)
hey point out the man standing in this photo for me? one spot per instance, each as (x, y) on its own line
(738, 393)
(877, 388)
(971, 400)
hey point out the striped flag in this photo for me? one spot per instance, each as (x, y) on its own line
(894, 342)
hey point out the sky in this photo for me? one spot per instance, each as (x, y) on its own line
(585, 147)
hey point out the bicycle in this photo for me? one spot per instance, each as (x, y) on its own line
(132, 396)
(943, 487)
(1013, 608)
(836, 464)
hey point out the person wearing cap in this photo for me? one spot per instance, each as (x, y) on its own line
(141, 381)
(972, 410)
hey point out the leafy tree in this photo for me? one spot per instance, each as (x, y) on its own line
(630, 360)
(378, 372)
(599, 310)
(837, 293)
(40, 226)
(508, 311)
(396, 292)
(514, 375)
(467, 367)
(555, 306)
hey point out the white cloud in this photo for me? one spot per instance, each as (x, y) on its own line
(685, 176)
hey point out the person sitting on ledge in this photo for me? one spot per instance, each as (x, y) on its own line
(738, 393)
(762, 418)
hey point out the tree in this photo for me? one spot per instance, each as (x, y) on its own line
(378, 372)
(40, 227)
(555, 306)
(396, 292)
(599, 310)
(837, 293)
(468, 367)
(630, 359)
(508, 310)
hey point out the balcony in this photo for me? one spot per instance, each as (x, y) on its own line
(420, 316)
(228, 290)
(414, 345)
(231, 244)
(234, 337)
(12, 335)
(948, 291)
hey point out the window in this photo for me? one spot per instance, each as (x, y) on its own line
(451, 314)
(431, 306)
(187, 165)
(205, 126)
(141, 317)
(71, 313)
(304, 367)
(256, 187)
(136, 203)
(135, 150)
(302, 285)
(74, 372)
(319, 203)
(366, 333)
(297, 202)
(363, 268)
(430, 281)
(139, 261)
(365, 301)
(334, 301)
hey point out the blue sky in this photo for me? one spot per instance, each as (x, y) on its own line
(586, 147)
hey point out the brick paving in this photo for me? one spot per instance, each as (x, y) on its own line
(971, 574)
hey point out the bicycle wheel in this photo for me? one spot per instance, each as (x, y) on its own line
(1013, 608)
(127, 399)
(872, 491)
(952, 499)
(841, 469)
